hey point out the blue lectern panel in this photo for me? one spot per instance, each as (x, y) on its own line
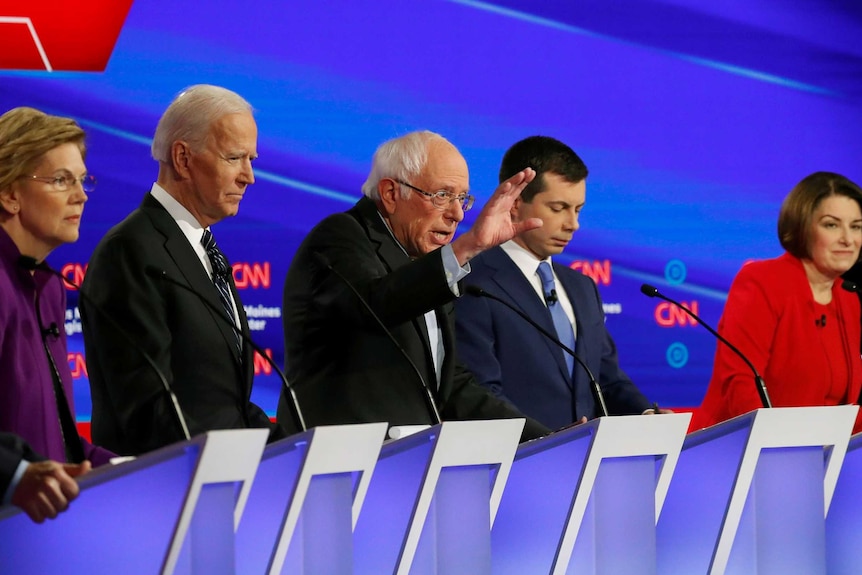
(456, 536)
(536, 504)
(122, 525)
(782, 529)
(844, 522)
(696, 501)
(389, 505)
(270, 495)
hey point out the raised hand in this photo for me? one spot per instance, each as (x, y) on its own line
(494, 225)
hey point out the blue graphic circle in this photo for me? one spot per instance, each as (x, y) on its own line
(677, 355)
(674, 272)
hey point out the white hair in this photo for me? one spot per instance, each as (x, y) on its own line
(191, 115)
(401, 158)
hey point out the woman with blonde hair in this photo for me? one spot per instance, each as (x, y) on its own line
(43, 188)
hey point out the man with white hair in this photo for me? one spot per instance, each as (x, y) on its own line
(394, 255)
(205, 143)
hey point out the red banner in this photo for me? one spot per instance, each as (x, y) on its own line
(59, 34)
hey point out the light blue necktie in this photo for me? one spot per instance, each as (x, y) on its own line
(561, 321)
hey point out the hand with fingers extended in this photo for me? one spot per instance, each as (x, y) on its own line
(47, 487)
(495, 224)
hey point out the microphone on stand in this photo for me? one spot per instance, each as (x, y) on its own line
(429, 398)
(30, 264)
(651, 291)
(160, 274)
(596, 389)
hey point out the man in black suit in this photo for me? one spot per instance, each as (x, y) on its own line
(204, 143)
(397, 248)
(41, 488)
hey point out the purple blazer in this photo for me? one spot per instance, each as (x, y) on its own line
(27, 404)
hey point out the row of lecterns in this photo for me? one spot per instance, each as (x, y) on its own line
(775, 491)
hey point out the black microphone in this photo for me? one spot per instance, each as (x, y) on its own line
(820, 322)
(651, 291)
(51, 330)
(429, 398)
(30, 264)
(157, 273)
(594, 385)
(549, 299)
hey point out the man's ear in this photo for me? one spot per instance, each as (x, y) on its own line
(180, 158)
(515, 210)
(389, 191)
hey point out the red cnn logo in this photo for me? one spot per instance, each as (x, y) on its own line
(74, 273)
(669, 315)
(261, 365)
(60, 35)
(77, 365)
(254, 275)
(599, 272)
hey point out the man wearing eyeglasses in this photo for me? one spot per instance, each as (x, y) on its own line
(393, 255)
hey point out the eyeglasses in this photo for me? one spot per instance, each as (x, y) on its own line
(65, 183)
(442, 199)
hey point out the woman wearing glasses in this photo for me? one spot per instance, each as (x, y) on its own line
(43, 188)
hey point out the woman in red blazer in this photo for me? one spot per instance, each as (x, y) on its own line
(790, 316)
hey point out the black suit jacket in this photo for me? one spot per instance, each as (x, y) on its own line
(192, 345)
(343, 367)
(13, 450)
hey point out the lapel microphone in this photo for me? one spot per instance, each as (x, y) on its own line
(30, 264)
(598, 396)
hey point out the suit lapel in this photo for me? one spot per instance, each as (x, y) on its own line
(509, 280)
(193, 272)
(391, 254)
(587, 348)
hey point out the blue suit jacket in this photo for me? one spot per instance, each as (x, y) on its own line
(520, 364)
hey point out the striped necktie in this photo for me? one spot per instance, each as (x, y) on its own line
(221, 273)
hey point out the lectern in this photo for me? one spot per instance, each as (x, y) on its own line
(306, 499)
(750, 495)
(585, 500)
(432, 500)
(170, 511)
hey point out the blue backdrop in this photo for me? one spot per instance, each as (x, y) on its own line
(694, 118)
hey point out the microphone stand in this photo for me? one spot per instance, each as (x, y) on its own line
(651, 291)
(154, 272)
(429, 398)
(30, 264)
(598, 396)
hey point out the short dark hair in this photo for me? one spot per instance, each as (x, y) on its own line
(543, 154)
(797, 210)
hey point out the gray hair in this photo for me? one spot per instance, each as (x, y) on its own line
(191, 115)
(401, 158)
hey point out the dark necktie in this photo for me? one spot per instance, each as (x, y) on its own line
(221, 271)
(561, 321)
